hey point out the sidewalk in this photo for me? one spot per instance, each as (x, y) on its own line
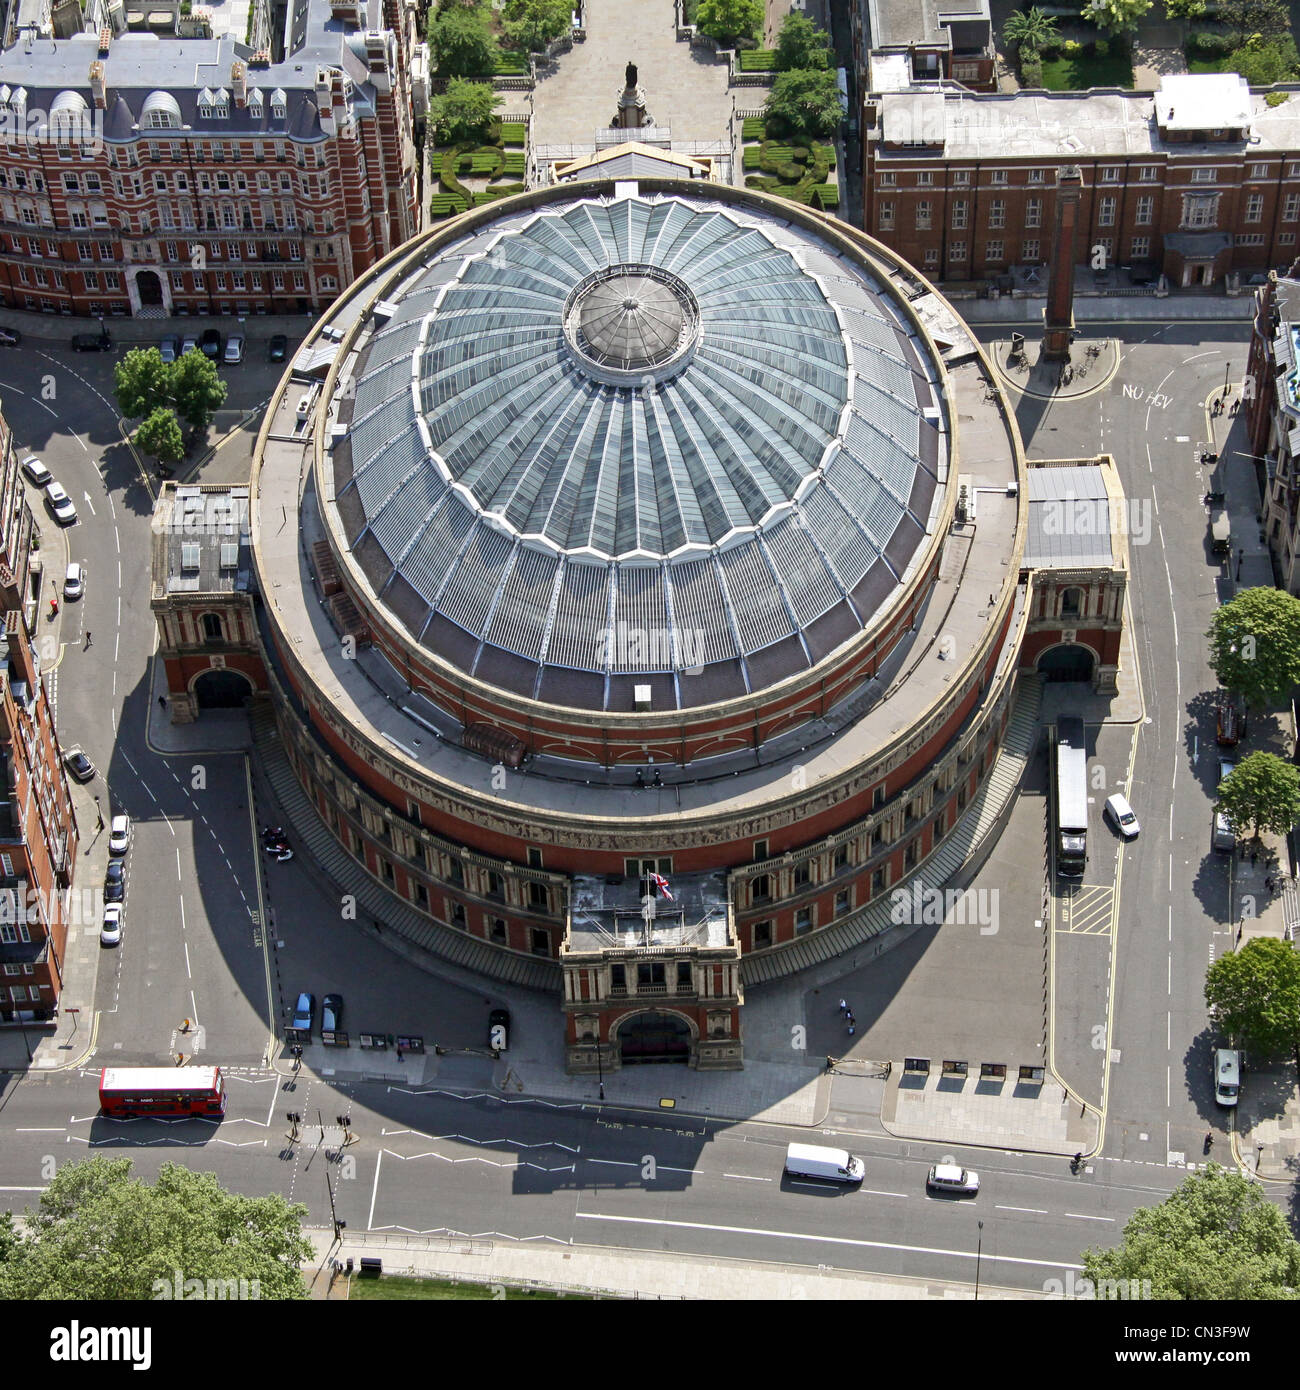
(59, 328)
(1183, 306)
(618, 1273)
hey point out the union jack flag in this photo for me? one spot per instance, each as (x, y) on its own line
(661, 883)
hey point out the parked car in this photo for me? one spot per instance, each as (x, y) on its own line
(189, 343)
(948, 1177)
(1227, 1075)
(115, 881)
(65, 511)
(210, 344)
(92, 342)
(119, 834)
(304, 1012)
(1230, 721)
(79, 764)
(234, 353)
(331, 1014)
(110, 932)
(1120, 814)
(278, 348)
(499, 1030)
(10, 337)
(36, 471)
(170, 347)
(74, 581)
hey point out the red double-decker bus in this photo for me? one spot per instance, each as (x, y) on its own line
(165, 1091)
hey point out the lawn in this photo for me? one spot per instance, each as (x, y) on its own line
(1078, 74)
(405, 1288)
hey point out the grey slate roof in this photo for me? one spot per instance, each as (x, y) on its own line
(1069, 519)
(204, 531)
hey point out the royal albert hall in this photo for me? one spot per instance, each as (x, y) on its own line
(609, 546)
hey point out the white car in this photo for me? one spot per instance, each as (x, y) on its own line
(234, 353)
(110, 934)
(119, 835)
(36, 471)
(74, 582)
(949, 1177)
(189, 343)
(1120, 814)
(65, 513)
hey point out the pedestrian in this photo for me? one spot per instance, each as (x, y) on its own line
(1268, 882)
(849, 1019)
(162, 702)
(88, 640)
(1254, 856)
(852, 1030)
(844, 1006)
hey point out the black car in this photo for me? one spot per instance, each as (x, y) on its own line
(10, 337)
(210, 344)
(331, 1014)
(115, 881)
(278, 349)
(499, 1030)
(92, 342)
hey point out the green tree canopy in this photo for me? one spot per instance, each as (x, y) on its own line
(1216, 1236)
(159, 435)
(805, 103)
(1115, 16)
(461, 42)
(1262, 793)
(532, 24)
(801, 45)
(197, 391)
(1029, 30)
(142, 381)
(1184, 9)
(730, 19)
(1255, 645)
(1254, 997)
(463, 111)
(1265, 61)
(98, 1233)
(1247, 19)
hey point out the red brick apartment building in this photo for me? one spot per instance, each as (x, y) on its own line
(152, 175)
(899, 42)
(1197, 182)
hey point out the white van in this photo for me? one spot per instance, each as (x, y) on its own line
(1227, 1075)
(813, 1161)
(1221, 836)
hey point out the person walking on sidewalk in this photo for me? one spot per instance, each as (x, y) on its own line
(86, 647)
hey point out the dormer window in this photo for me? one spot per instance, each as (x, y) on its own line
(278, 104)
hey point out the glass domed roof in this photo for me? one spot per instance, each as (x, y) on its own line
(652, 438)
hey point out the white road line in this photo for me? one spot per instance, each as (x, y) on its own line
(827, 1240)
(739, 1177)
(613, 1163)
(374, 1193)
(52, 1129)
(1080, 1216)
(1033, 1211)
(874, 1192)
(189, 974)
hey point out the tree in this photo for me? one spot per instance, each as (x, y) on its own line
(1265, 61)
(461, 43)
(805, 103)
(1030, 31)
(730, 19)
(801, 46)
(1262, 19)
(463, 112)
(1263, 792)
(1184, 9)
(197, 390)
(97, 1233)
(1115, 16)
(532, 24)
(1254, 997)
(1216, 1236)
(160, 435)
(1255, 645)
(142, 382)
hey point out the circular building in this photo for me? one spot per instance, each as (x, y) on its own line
(617, 541)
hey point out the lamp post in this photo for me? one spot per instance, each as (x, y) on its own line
(979, 1250)
(600, 1066)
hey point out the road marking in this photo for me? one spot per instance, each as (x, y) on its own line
(873, 1192)
(1079, 1216)
(739, 1177)
(89, 503)
(1033, 1211)
(374, 1193)
(827, 1240)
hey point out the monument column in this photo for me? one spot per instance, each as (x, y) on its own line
(1058, 316)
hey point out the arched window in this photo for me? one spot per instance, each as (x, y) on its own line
(213, 629)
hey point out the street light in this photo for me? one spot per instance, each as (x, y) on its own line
(979, 1250)
(600, 1068)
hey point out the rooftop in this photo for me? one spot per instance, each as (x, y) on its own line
(201, 540)
(610, 912)
(1071, 517)
(901, 23)
(1102, 121)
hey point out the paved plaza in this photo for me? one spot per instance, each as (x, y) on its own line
(685, 88)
